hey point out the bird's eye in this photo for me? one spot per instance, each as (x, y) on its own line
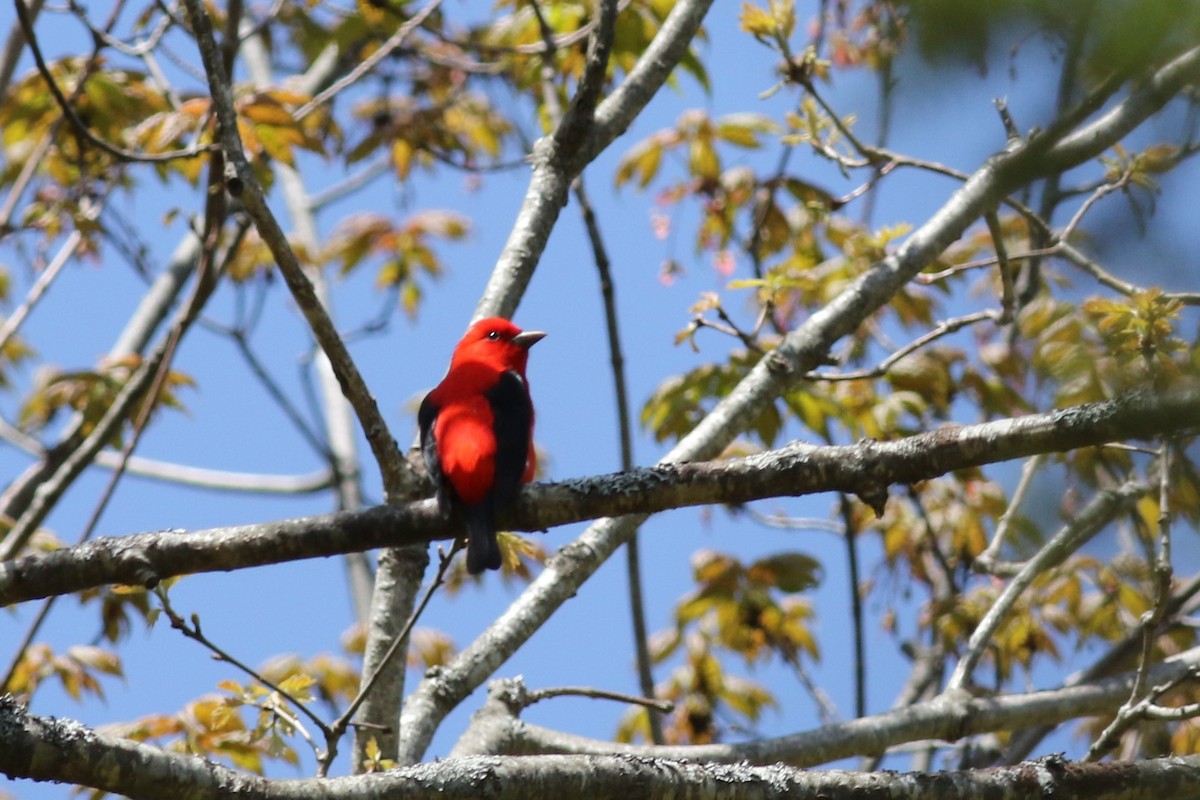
(493, 335)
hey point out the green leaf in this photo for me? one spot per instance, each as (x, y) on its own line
(789, 572)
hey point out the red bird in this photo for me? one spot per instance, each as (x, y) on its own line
(477, 432)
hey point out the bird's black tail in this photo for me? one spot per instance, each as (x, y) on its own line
(483, 551)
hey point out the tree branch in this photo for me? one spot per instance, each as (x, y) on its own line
(1103, 508)
(1146, 99)
(580, 137)
(948, 717)
(43, 748)
(241, 182)
(865, 469)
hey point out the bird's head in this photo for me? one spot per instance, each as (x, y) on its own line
(496, 341)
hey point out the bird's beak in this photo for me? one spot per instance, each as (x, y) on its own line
(528, 339)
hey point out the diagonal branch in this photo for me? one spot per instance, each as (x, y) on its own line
(585, 130)
(368, 63)
(242, 183)
(1090, 140)
(1103, 508)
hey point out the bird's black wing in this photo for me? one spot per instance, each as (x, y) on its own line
(426, 417)
(512, 415)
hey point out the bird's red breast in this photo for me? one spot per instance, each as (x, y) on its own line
(465, 433)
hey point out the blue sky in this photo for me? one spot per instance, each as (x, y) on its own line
(943, 113)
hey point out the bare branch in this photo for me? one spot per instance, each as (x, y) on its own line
(988, 560)
(944, 328)
(44, 748)
(1105, 507)
(397, 475)
(1090, 140)
(192, 631)
(77, 123)
(586, 130)
(1141, 702)
(380, 667)
(948, 717)
(368, 63)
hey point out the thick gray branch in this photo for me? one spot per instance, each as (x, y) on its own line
(1146, 99)
(866, 469)
(558, 159)
(949, 717)
(42, 748)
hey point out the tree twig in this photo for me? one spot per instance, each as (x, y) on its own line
(240, 181)
(989, 559)
(340, 725)
(1139, 704)
(1103, 508)
(193, 631)
(633, 567)
(368, 63)
(77, 123)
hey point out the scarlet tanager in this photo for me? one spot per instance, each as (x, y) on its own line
(477, 432)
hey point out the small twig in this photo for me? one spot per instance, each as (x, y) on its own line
(989, 558)
(942, 329)
(827, 710)
(1010, 127)
(336, 730)
(941, 575)
(28, 170)
(1172, 713)
(728, 327)
(871, 155)
(78, 124)
(1103, 508)
(276, 393)
(350, 184)
(1076, 257)
(1140, 704)
(1162, 564)
(260, 26)
(866, 186)
(1133, 712)
(368, 63)
(133, 50)
(927, 278)
(849, 536)
(13, 323)
(538, 695)
(1086, 206)
(194, 632)
(1008, 298)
